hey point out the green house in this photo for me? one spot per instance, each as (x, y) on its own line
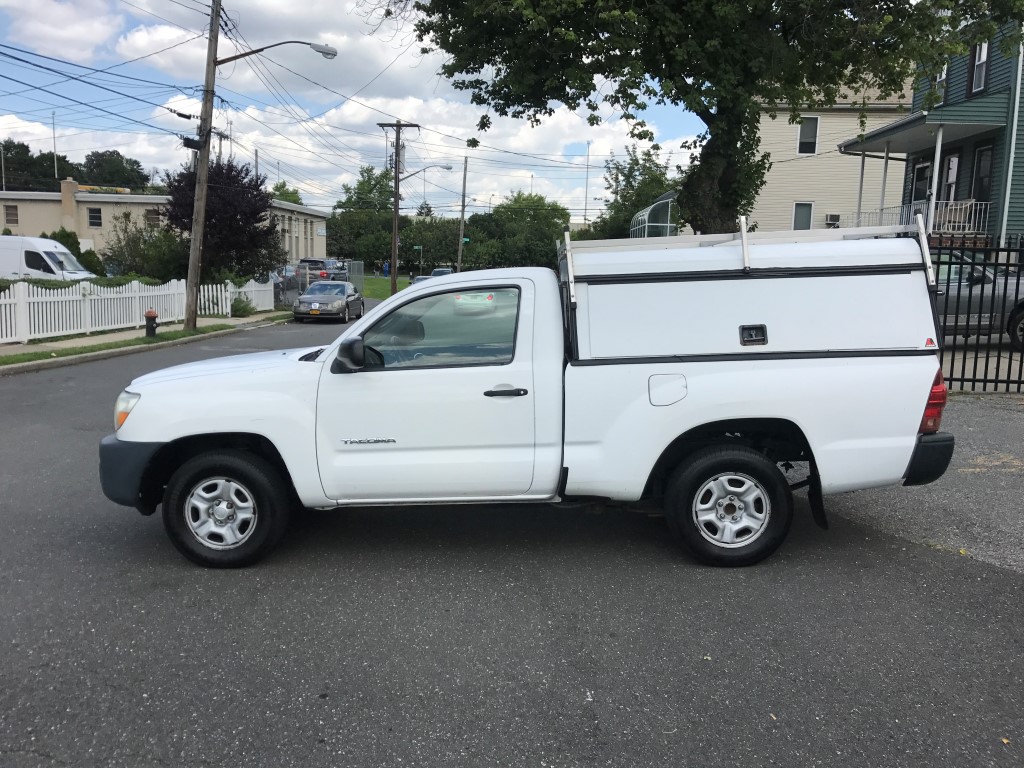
(963, 160)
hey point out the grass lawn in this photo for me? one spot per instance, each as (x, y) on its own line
(380, 287)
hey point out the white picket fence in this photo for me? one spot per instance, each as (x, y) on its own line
(30, 312)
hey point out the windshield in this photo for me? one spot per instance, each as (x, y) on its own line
(64, 261)
(329, 289)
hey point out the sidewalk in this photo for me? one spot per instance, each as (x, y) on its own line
(62, 346)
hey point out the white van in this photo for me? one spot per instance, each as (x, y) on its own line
(22, 257)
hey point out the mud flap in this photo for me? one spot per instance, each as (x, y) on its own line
(817, 500)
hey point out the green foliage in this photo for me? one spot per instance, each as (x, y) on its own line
(240, 234)
(724, 61)
(35, 173)
(241, 306)
(112, 169)
(282, 191)
(91, 261)
(68, 239)
(373, 191)
(119, 280)
(425, 209)
(136, 249)
(632, 185)
(6, 231)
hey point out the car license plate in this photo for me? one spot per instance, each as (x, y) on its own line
(314, 311)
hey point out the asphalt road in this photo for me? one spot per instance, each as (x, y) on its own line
(532, 636)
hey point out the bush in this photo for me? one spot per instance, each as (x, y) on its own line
(7, 231)
(92, 262)
(241, 306)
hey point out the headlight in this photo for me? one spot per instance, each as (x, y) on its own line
(125, 402)
(338, 304)
(295, 303)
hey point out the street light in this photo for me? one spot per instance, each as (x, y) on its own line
(203, 166)
(324, 50)
(421, 170)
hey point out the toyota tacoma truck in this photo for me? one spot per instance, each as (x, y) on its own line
(691, 372)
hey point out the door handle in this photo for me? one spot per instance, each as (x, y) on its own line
(505, 393)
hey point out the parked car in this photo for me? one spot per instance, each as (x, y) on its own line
(311, 270)
(474, 302)
(419, 279)
(976, 297)
(441, 272)
(329, 299)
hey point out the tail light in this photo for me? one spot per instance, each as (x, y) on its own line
(323, 274)
(933, 410)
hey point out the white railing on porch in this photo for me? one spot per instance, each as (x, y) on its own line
(951, 216)
(31, 312)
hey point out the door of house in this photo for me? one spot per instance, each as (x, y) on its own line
(920, 191)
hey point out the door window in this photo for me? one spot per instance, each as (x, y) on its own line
(802, 215)
(459, 328)
(982, 186)
(36, 261)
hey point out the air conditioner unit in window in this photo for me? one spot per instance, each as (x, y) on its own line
(832, 220)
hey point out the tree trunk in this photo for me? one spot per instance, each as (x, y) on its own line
(725, 181)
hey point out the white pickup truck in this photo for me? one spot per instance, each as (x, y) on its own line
(690, 371)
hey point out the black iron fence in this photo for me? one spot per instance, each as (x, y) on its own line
(980, 305)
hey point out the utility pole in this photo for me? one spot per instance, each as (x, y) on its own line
(257, 153)
(462, 219)
(202, 173)
(586, 186)
(53, 123)
(398, 125)
(3, 168)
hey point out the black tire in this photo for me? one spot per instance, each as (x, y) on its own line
(759, 485)
(258, 487)
(344, 315)
(1016, 329)
(362, 309)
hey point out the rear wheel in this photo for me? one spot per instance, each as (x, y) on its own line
(225, 509)
(1016, 329)
(729, 506)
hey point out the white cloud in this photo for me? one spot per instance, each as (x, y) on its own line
(71, 29)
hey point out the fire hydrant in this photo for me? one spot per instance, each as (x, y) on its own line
(150, 315)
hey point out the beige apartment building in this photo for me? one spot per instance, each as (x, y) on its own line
(810, 184)
(91, 215)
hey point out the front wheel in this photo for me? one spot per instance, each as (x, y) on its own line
(1016, 329)
(344, 314)
(729, 506)
(225, 509)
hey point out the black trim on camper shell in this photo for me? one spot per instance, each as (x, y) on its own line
(767, 273)
(741, 356)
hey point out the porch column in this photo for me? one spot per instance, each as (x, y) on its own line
(860, 189)
(885, 175)
(935, 178)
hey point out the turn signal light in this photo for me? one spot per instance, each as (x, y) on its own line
(933, 410)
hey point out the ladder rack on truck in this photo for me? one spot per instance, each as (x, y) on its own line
(626, 247)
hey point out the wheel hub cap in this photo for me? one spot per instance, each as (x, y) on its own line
(731, 510)
(220, 513)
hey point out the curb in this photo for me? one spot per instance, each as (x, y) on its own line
(103, 354)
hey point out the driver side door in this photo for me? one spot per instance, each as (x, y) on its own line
(445, 406)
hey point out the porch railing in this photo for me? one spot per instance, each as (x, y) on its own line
(952, 217)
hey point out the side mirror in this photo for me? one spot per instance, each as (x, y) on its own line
(351, 356)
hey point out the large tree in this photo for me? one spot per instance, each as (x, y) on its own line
(112, 169)
(723, 60)
(282, 191)
(241, 236)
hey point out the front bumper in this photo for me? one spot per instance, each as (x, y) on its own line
(122, 465)
(322, 312)
(930, 460)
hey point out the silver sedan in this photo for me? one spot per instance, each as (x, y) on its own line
(332, 299)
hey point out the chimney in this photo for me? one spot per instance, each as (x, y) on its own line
(68, 205)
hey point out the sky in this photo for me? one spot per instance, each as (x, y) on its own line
(312, 121)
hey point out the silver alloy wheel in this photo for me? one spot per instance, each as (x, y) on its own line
(731, 510)
(220, 513)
